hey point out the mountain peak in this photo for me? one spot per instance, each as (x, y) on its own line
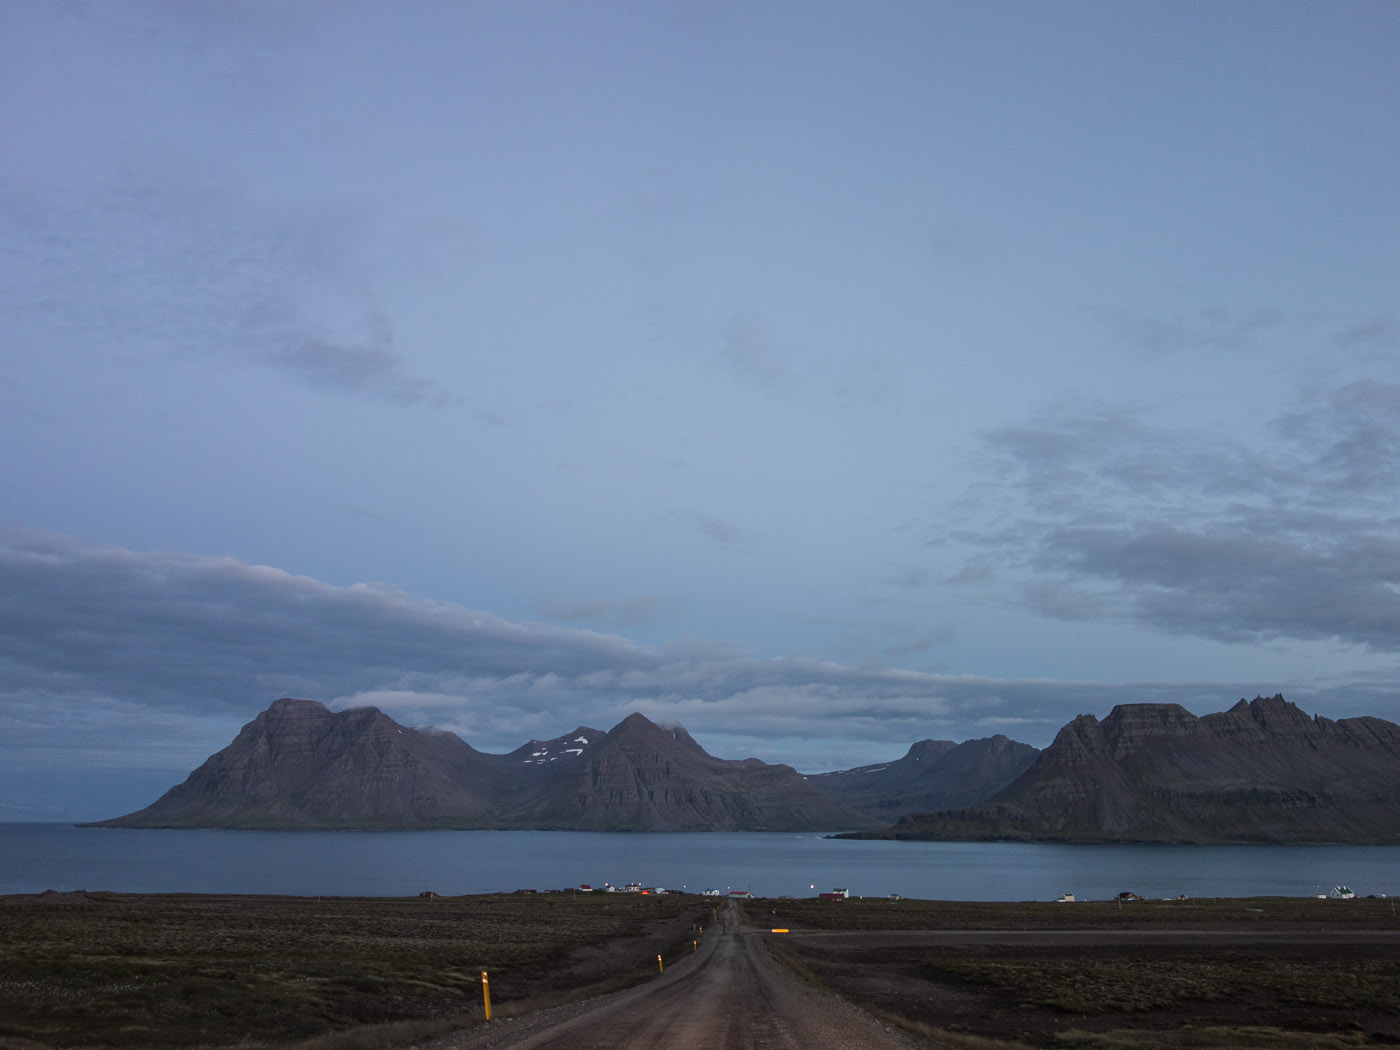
(1263, 721)
(639, 728)
(299, 765)
(289, 706)
(933, 774)
(1277, 714)
(1263, 771)
(1130, 726)
(928, 750)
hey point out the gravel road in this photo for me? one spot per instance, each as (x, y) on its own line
(731, 995)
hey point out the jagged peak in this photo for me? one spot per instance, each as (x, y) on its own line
(1264, 707)
(1275, 710)
(1265, 717)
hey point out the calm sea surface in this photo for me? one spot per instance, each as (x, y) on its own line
(36, 857)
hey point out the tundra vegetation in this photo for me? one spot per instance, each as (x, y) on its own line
(168, 972)
(1278, 973)
(178, 972)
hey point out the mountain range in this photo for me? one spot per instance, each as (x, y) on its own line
(1262, 771)
(300, 765)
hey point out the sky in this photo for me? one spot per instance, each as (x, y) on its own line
(821, 377)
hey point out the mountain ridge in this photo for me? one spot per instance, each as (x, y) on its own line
(932, 774)
(1263, 771)
(298, 765)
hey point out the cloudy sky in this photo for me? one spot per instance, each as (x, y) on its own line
(819, 376)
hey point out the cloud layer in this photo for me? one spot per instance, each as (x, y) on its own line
(1291, 535)
(668, 329)
(119, 660)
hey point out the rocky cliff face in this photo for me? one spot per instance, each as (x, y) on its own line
(642, 776)
(935, 774)
(1261, 772)
(298, 765)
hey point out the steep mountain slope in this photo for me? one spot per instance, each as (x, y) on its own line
(1261, 772)
(298, 765)
(642, 776)
(934, 774)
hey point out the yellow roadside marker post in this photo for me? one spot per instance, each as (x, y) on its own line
(659, 967)
(486, 994)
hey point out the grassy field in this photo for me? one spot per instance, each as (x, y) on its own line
(1168, 975)
(1203, 913)
(169, 972)
(179, 972)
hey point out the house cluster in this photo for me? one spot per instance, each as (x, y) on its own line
(1126, 895)
(631, 887)
(840, 893)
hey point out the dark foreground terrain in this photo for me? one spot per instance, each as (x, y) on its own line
(729, 995)
(1177, 975)
(174, 972)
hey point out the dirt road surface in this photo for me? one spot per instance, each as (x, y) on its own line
(731, 995)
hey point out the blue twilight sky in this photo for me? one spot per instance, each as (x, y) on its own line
(819, 376)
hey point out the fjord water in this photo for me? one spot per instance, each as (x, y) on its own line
(38, 857)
